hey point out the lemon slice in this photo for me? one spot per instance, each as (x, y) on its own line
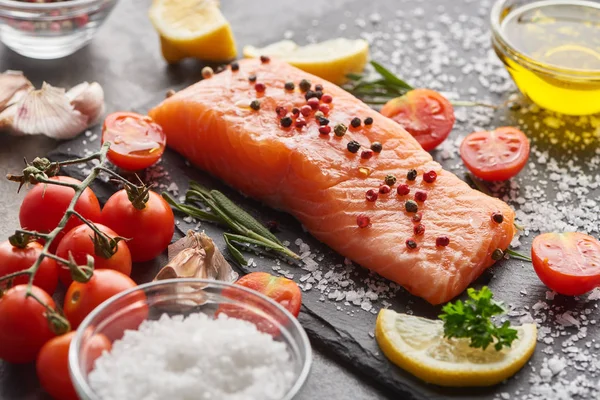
(192, 28)
(330, 60)
(417, 345)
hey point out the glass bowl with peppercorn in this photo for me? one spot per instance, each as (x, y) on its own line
(49, 29)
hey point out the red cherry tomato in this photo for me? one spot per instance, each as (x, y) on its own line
(495, 155)
(24, 328)
(14, 259)
(79, 243)
(136, 141)
(44, 206)
(568, 263)
(150, 229)
(284, 291)
(82, 298)
(52, 363)
(425, 114)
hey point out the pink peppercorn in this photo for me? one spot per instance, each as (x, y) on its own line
(417, 217)
(419, 229)
(313, 102)
(442, 241)
(326, 98)
(403, 190)
(305, 110)
(371, 195)
(325, 130)
(324, 108)
(363, 221)
(300, 122)
(81, 20)
(260, 87)
(384, 189)
(420, 195)
(366, 154)
(281, 111)
(430, 176)
(55, 27)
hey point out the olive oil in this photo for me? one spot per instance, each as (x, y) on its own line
(552, 50)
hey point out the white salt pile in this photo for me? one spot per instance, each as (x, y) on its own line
(196, 358)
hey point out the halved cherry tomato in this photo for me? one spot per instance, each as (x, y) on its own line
(425, 114)
(14, 259)
(568, 263)
(79, 243)
(44, 206)
(136, 141)
(284, 291)
(24, 328)
(495, 155)
(150, 229)
(52, 363)
(82, 298)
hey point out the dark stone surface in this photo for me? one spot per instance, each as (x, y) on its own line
(125, 59)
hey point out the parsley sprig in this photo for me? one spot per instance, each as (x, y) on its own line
(472, 319)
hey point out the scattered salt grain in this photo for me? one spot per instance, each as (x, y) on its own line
(196, 357)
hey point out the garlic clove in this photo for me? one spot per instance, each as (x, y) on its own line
(196, 256)
(88, 99)
(46, 111)
(13, 86)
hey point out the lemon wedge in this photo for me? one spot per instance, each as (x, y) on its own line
(417, 345)
(192, 28)
(330, 60)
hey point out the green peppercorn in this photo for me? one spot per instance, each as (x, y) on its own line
(286, 122)
(304, 85)
(353, 146)
(497, 255)
(376, 147)
(411, 206)
(340, 130)
(252, 78)
(411, 175)
(355, 122)
(319, 114)
(255, 105)
(368, 121)
(289, 86)
(390, 180)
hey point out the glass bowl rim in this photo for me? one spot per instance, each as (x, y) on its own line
(26, 6)
(530, 63)
(80, 382)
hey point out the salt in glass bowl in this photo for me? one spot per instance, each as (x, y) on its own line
(183, 297)
(51, 30)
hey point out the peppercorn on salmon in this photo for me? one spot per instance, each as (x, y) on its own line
(316, 178)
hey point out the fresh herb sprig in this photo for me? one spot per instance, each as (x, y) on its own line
(472, 319)
(219, 209)
(388, 86)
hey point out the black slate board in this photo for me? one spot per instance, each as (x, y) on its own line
(349, 337)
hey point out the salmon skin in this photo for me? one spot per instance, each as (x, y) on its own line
(314, 177)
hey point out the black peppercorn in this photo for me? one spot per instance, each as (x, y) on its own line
(368, 121)
(304, 85)
(353, 146)
(355, 122)
(286, 122)
(289, 86)
(411, 175)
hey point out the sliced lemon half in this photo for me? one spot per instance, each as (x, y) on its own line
(418, 346)
(331, 60)
(192, 28)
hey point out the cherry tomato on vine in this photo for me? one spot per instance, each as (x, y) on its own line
(495, 155)
(14, 259)
(24, 328)
(79, 243)
(52, 363)
(82, 298)
(137, 142)
(425, 114)
(284, 291)
(568, 263)
(45, 204)
(150, 229)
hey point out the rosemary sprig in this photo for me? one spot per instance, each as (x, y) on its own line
(219, 209)
(517, 255)
(388, 86)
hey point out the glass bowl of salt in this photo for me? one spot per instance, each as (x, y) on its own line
(185, 339)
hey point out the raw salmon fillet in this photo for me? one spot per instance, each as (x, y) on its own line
(315, 178)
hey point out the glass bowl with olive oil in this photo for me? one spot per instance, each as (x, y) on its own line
(551, 48)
